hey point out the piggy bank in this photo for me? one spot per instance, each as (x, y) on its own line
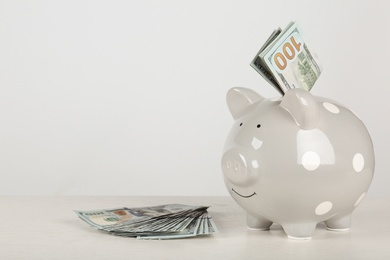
(297, 160)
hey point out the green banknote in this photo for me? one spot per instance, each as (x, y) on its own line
(157, 222)
(286, 62)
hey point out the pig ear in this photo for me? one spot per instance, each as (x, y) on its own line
(302, 106)
(238, 99)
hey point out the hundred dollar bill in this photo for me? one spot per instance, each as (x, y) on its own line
(189, 231)
(117, 217)
(286, 62)
(158, 222)
(203, 225)
(261, 68)
(107, 217)
(172, 212)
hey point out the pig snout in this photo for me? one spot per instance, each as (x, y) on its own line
(239, 166)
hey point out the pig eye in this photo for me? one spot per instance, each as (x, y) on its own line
(240, 124)
(258, 126)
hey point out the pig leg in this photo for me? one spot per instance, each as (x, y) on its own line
(257, 222)
(339, 223)
(299, 230)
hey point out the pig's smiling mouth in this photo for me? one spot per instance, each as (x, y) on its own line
(248, 196)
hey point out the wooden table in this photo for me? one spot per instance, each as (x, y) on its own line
(47, 228)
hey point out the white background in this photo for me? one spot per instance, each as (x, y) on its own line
(128, 97)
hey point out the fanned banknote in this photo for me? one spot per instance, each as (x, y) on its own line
(286, 62)
(157, 222)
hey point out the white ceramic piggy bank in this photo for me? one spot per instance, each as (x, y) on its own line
(297, 160)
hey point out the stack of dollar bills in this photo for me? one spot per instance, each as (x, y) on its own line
(286, 62)
(158, 222)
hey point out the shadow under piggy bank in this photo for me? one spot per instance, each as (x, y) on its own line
(296, 160)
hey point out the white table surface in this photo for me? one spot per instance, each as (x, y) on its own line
(47, 228)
